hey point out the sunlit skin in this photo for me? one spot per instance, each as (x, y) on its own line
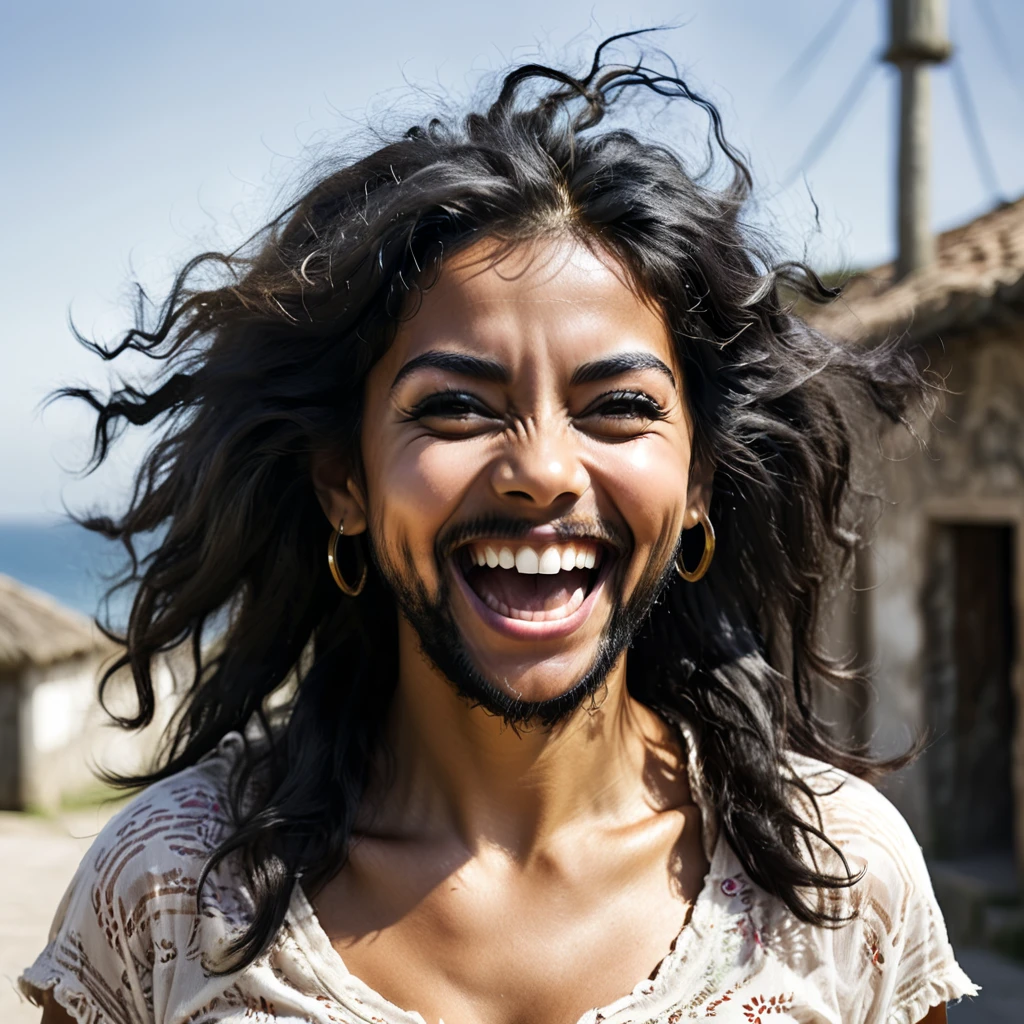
(531, 876)
(521, 877)
(510, 877)
(534, 446)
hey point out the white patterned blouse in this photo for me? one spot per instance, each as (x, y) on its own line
(128, 947)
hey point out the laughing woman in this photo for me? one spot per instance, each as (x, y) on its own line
(502, 455)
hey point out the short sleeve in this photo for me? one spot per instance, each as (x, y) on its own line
(90, 963)
(127, 936)
(926, 972)
(895, 960)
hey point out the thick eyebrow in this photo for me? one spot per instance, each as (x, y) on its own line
(601, 369)
(454, 362)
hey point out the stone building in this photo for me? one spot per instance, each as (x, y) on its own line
(52, 731)
(939, 613)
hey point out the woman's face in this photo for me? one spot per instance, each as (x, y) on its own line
(526, 449)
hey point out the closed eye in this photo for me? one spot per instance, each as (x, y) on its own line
(451, 411)
(625, 404)
(620, 415)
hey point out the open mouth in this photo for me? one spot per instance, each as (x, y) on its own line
(532, 583)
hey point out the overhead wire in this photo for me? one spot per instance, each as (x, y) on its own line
(998, 41)
(972, 126)
(803, 65)
(835, 121)
(808, 58)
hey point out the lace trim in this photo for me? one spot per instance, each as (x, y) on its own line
(45, 976)
(951, 985)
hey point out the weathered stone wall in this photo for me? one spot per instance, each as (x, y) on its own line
(972, 472)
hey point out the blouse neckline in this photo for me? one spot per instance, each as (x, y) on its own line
(356, 996)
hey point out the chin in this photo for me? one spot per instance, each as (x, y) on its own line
(526, 629)
(536, 682)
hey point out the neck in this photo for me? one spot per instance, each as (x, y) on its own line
(460, 769)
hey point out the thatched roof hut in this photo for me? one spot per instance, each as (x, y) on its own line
(50, 657)
(35, 630)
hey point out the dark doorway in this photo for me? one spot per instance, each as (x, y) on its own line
(971, 647)
(10, 747)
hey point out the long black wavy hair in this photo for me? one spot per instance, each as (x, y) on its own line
(263, 355)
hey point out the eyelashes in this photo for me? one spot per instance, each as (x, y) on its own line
(621, 404)
(450, 403)
(626, 405)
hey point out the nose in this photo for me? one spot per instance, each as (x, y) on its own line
(540, 467)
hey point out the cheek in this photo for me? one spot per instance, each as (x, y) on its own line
(647, 482)
(414, 488)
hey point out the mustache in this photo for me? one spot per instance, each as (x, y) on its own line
(504, 527)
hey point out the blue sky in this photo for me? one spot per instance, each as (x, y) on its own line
(134, 134)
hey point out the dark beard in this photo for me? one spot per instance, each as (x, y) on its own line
(443, 644)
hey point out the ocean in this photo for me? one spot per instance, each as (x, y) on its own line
(61, 559)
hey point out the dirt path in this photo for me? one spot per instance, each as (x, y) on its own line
(38, 856)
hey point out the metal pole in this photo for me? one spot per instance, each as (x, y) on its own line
(918, 38)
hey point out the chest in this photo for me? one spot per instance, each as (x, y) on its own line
(468, 943)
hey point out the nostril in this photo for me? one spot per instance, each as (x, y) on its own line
(519, 494)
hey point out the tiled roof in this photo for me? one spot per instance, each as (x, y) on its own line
(978, 274)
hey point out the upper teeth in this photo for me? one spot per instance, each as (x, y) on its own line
(548, 560)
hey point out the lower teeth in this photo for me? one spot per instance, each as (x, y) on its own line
(540, 616)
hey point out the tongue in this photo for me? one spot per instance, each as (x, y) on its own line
(525, 592)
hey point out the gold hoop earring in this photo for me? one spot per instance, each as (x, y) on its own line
(332, 561)
(705, 559)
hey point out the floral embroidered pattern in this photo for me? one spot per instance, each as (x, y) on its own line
(711, 1009)
(130, 947)
(730, 887)
(872, 947)
(739, 889)
(759, 1008)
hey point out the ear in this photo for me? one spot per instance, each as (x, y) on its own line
(698, 494)
(339, 491)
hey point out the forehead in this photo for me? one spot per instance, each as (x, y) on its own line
(553, 299)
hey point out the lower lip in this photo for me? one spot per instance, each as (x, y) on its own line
(526, 629)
